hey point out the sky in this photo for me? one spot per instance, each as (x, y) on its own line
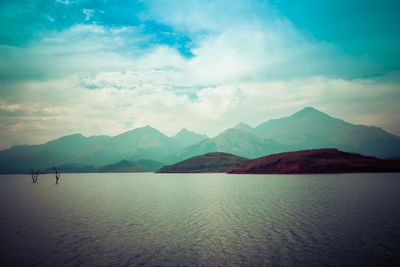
(106, 67)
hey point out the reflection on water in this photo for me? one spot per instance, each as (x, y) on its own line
(200, 219)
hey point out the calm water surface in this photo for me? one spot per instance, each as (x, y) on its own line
(200, 219)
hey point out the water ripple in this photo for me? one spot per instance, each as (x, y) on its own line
(200, 220)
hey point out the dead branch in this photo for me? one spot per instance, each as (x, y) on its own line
(35, 175)
(57, 174)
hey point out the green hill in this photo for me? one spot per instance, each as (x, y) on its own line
(142, 165)
(210, 162)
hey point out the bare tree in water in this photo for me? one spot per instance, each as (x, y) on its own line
(35, 175)
(57, 174)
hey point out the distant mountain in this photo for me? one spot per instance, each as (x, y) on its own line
(60, 151)
(316, 161)
(210, 162)
(310, 128)
(306, 129)
(233, 141)
(77, 150)
(72, 142)
(244, 127)
(140, 143)
(188, 138)
(142, 165)
(73, 168)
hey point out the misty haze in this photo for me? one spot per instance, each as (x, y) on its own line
(199, 133)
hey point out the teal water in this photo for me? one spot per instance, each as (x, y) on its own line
(200, 219)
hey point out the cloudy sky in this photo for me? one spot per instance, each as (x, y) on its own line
(105, 67)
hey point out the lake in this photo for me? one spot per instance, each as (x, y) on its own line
(200, 219)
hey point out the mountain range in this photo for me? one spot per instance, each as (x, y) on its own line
(310, 128)
(306, 129)
(233, 141)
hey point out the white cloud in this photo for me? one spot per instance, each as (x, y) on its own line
(95, 80)
(49, 109)
(88, 13)
(65, 2)
(9, 108)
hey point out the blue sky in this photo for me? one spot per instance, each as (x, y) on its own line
(104, 67)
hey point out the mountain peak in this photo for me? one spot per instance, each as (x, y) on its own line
(141, 131)
(147, 127)
(233, 133)
(183, 131)
(308, 111)
(186, 137)
(244, 127)
(242, 124)
(187, 132)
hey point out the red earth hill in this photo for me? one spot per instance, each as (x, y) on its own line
(316, 161)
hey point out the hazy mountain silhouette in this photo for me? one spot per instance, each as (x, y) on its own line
(142, 165)
(60, 151)
(244, 127)
(187, 138)
(140, 143)
(306, 129)
(232, 141)
(310, 128)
